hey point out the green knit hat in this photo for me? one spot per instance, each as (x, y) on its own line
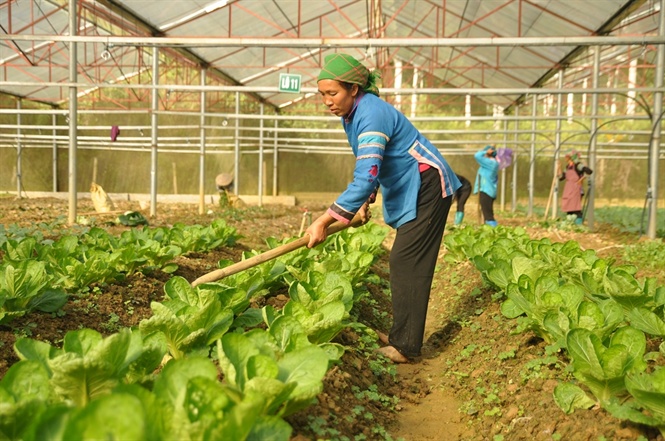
(346, 69)
(573, 155)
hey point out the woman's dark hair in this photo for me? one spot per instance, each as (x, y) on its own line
(348, 86)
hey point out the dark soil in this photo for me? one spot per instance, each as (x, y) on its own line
(475, 380)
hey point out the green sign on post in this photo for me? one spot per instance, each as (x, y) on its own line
(289, 83)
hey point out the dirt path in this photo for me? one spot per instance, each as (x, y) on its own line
(430, 400)
(415, 419)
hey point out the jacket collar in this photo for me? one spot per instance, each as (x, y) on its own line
(349, 117)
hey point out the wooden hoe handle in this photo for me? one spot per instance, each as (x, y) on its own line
(271, 254)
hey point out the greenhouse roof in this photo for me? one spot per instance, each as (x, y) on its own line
(467, 44)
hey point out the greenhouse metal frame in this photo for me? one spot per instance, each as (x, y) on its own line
(527, 60)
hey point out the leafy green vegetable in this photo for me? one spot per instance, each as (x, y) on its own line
(648, 403)
(132, 219)
(191, 320)
(323, 324)
(117, 416)
(321, 288)
(23, 287)
(647, 321)
(549, 308)
(289, 381)
(19, 250)
(631, 410)
(24, 392)
(603, 368)
(648, 390)
(570, 397)
(625, 289)
(88, 365)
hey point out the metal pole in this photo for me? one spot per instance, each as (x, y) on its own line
(487, 91)
(55, 154)
(515, 153)
(260, 174)
(153, 136)
(202, 151)
(318, 43)
(73, 114)
(594, 136)
(557, 146)
(655, 138)
(19, 150)
(532, 154)
(503, 172)
(274, 160)
(236, 165)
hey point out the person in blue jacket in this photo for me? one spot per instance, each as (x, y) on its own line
(416, 183)
(486, 182)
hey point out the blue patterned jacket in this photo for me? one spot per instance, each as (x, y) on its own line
(388, 149)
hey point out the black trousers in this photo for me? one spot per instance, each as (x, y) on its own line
(486, 206)
(412, 262)
(462, 195)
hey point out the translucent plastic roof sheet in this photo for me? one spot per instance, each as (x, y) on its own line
(38, 65)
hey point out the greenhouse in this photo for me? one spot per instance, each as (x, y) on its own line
(178, 95)
(204, 301)
(199, 89)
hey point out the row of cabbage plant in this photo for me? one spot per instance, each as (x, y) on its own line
(206, 365)
(40, 274)
(597, 313)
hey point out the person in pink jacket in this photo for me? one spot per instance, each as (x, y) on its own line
(574, 174)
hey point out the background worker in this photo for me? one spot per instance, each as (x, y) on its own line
(417, 186)
(486, 182)
(461, 196)
(574, 174)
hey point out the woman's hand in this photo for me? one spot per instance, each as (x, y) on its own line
(365, 213)
(318, 230)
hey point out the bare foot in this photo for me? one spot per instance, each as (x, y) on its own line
(393, 354)
(383, 338)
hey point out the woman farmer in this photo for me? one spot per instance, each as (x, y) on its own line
(416, 183)
(574, 175)
(486, 182)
